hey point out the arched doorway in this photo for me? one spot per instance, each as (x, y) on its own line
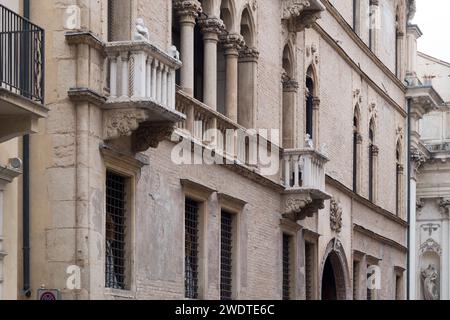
(335, 278)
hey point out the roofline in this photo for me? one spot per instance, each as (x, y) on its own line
(424, 55)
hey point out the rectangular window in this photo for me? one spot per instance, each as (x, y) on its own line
(287, 240)
(309, 270)
(356, 280)
(191, 249)
(226, 256)
(116, 262)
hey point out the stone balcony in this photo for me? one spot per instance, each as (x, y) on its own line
(299, 174)
(304, 181)
(21, 76)
(141, 100)
(301, 14)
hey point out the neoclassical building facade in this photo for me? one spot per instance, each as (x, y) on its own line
(223, 149)
(432, 217)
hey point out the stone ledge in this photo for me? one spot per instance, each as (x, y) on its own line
(86, 95)
(85, 37)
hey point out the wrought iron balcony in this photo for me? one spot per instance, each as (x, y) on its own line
(22, 47)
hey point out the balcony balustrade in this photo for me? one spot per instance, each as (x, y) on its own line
(22, 47)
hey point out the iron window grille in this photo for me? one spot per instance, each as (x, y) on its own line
(226, 256)
(191, 249)
(116, 231)
(286, 267)
(309, 270)
(22, 50)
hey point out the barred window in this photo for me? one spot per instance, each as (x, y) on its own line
(309, 269)
(287, 267)
(191, 249)
(116, 231)
(356, 280)
(226, 256)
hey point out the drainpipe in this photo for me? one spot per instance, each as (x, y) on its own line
(408, 263)
(26, 291)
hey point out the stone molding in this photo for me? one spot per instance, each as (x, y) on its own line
(86, 95)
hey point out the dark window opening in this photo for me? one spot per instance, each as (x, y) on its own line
(191, 249)
(226, 256)
(176, 41)
(309, 270)
(371, 162)
(115, 266)
(309, 106)
(198, 63)
(355, 153)
(355, 280)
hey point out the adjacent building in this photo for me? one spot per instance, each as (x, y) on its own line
(432, 216)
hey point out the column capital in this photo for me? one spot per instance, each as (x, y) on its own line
(187, 10)
(316, 103)
(359, 138)
(211, 27)
(232, 43)
(375, 150)
(290, 85)
(248, 54)
(374, 2)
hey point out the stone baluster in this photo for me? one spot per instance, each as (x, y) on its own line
(125, 74)
(113, 77)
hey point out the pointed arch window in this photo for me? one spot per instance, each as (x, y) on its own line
(309, 127)
(373, 155)
(356, 150)
(399, 180)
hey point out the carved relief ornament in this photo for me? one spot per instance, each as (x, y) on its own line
(335, 215)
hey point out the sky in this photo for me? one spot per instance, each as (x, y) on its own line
(433, 18)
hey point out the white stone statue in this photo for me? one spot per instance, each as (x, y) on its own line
(174, 53)
(309, 142)
(141, 33)
(430, 283)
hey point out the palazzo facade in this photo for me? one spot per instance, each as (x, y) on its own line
(300, 108)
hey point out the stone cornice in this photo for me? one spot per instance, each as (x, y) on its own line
(86, 95)
(8, 174)
(355, 66)
(136, 161)
(366, 202)
(85, 37)
(349, 30)
(379, 238)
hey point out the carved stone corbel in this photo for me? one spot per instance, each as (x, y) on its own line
(299, 207)
(149, 135)
(119, 123)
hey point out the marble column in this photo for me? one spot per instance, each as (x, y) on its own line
(232, 44)
(290, 89)
(187, 11)
(316, 122)
(211, 29)
(247, 75)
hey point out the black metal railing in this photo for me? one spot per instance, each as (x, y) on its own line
(22, 54)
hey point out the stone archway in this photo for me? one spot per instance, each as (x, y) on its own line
(334, 279)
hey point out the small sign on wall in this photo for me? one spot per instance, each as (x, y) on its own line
(49, 294)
